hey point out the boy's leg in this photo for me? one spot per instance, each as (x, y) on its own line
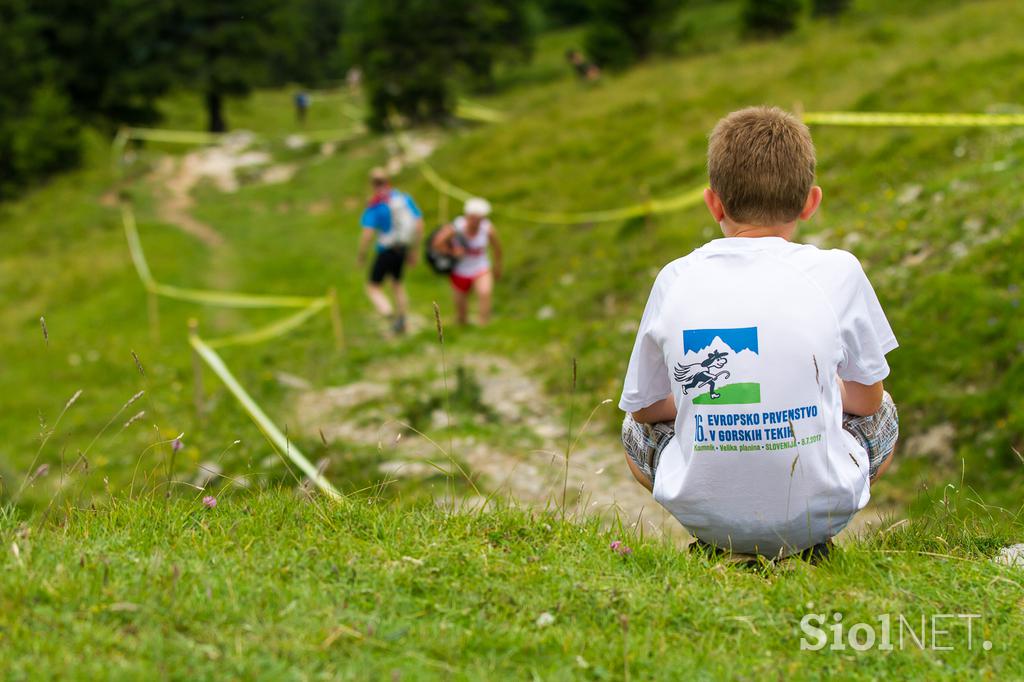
(644, 444)
(877, 433)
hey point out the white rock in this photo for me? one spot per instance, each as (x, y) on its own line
(208, 471)
(1011, 556)
(909, 194)
(292, 381)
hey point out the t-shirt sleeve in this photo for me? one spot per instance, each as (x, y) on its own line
(865, 331)
(647, 379)
(371, 218)
(413, 208)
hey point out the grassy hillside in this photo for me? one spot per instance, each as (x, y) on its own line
(364, 590)
(934, 214)
(268, 583)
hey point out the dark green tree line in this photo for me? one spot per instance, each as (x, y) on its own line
(623, 31)
(104, 63)
(412, 52)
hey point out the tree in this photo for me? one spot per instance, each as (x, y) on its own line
(623, 31)
(829, 8)
(224, 49)
(38, 133)
(771, 17)
(112, 58)
(565, 12)
(307, 39)
(413, 51)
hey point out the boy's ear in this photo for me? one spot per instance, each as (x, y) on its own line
(812, 203)
(714, 205)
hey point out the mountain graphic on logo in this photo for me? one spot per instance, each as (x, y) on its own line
(718, 365)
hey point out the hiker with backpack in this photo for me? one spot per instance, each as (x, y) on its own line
(468, 240)
(393, 220)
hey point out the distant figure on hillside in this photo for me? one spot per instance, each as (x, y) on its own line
(779, 451)
(301, 106)
(468, 238)
(392, 217)
(585, 70)
(354, 79)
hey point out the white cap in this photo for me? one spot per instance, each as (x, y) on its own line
(478, 207)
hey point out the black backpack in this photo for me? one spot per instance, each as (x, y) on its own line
(441, 263)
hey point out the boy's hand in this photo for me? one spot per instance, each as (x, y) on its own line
(410, 258)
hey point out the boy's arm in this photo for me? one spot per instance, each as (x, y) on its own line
(662, 411)
(860, 399)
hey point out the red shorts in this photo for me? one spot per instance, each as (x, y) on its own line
(464, 284)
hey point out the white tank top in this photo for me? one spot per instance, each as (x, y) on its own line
(475, 262)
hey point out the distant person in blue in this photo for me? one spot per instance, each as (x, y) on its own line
(301, 106)
(396, 223)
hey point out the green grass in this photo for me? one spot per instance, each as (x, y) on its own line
(732, 394)
(934, 215)
(944, 262)
(367, 590)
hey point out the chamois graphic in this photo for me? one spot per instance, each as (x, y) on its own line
(698, 374)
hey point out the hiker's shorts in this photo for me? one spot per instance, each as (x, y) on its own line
(877, 433)
(389, 263)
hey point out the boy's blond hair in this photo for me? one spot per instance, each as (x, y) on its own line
(761, 165)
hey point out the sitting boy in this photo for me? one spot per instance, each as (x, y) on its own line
(754, 400)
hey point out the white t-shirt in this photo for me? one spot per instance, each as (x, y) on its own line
(748, 335)
(475, 261)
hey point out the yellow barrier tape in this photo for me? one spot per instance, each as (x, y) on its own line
(192, 137)
(270, 331)
(477, 112)
(259, 417)
(884, 118)
(655, 206)
(228, 299)
(175, 136)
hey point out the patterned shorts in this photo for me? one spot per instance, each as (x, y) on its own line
(877, 433)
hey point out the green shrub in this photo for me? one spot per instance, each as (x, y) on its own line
(44, 139)
(607, 45)
(829, 8)
(625, 31)
(773, 17)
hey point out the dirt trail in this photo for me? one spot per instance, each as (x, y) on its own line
(597, 481)
(219, 164)
(175, 205)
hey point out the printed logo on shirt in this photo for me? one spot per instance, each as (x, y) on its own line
(710, 359)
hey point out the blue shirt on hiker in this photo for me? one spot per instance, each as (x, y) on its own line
(379, 216)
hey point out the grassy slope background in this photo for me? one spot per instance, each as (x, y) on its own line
(935, 216)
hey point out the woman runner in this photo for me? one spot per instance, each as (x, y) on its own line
(469, 238)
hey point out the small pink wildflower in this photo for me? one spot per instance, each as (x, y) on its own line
(176, 444)
(620, 548)
(210, 501)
